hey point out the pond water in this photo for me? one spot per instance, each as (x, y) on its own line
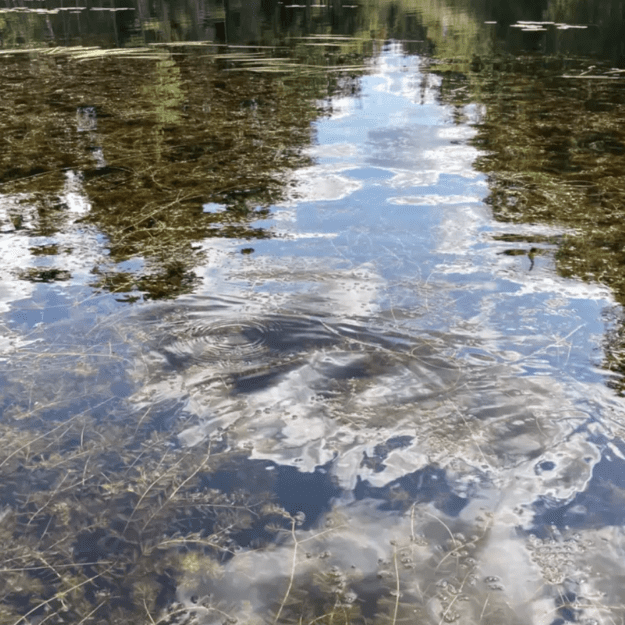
(312, 313)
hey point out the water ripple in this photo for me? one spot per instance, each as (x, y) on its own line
(245, 340)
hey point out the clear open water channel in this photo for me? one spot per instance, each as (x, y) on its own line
(376, 402)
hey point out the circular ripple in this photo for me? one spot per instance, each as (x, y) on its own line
(246, 339)
(221, 340)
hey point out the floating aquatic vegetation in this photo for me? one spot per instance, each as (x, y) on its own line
(47, 274)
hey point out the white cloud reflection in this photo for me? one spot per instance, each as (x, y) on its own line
(460, 366)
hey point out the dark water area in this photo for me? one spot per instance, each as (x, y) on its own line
(312, 312)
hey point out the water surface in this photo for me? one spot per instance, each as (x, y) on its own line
(311, 332)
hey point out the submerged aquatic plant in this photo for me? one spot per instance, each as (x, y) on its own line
(108, 515)
(134, 143)
(553, 148)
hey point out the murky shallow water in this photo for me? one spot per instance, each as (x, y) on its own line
(383, 411)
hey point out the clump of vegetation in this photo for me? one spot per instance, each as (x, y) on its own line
(101, 509)
(102, 517)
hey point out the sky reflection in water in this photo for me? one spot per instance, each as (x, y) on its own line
(432, 402)
(443, 385)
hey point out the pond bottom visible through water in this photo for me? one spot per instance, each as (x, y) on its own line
(439, 477)
(380, 416)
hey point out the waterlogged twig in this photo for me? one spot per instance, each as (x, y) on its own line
(328, 531)
(82, 620)
(413, 538)
(196, 541)
(445, 526)
(292, 575)
(143, 416)
(397, 587)
(145, 605)
(484, 607)
(40, 175)
(173, 494)
(49, 566)
(556, 343)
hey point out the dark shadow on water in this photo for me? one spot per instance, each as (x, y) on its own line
(601, 504)
(423, 486)
(298, 493)
(309, 493)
